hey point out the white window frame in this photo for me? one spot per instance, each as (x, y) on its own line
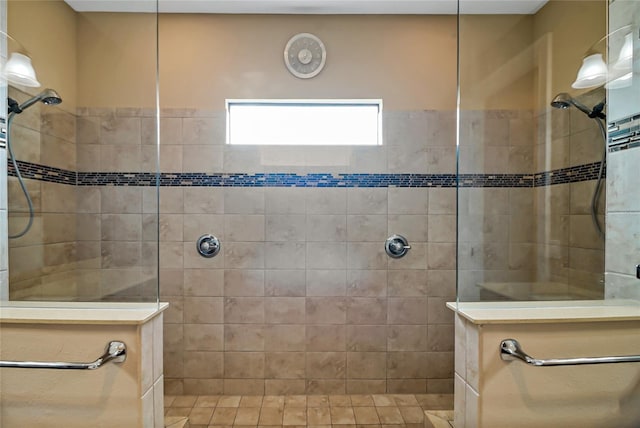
(377, 103)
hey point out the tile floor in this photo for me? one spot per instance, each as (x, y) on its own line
(342, 411)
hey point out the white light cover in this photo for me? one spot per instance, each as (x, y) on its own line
(621, 82)
(592, 73)
(625, 57)
(19, 70)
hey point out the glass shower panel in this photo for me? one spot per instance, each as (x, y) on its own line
(89, 162)
(528, 171)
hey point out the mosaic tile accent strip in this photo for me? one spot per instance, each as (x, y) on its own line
(496, 180)
(42, 173)
(624, 134)
(572, 174)
(57, 175)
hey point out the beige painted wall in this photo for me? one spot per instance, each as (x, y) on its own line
(496, 62)
(116, 60)
(563, 31)
(409, 61)
(47, 29)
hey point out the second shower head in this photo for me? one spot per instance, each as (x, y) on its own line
(564, 101)
(49, 97)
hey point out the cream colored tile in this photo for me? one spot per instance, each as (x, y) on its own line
(295, 416)
(295, 401)
(271, 415)
(340, 400)
(390, 415)
(200, 415)
(247, 416)
(207, 401)
(366, 415)
(251, 401)
(342, 416)
(383, 400)
(184, 401)
(362, 401)
(317, 401)
(224, 416)
(412, 414)
(273, 401)
(318, 416)
(229, 401)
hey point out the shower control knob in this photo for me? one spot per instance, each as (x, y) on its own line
(397, 246)
(208, 246)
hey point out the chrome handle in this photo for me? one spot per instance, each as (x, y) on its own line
(396, 246)
(208, 246)
(511, 350)
(116, 352)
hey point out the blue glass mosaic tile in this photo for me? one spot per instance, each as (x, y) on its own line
(547, 178)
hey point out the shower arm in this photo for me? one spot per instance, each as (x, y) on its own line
(510, 350)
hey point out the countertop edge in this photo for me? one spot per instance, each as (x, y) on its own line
(53, 315)
(549, 312)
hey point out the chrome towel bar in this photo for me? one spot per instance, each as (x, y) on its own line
(510, 350)
(115, 352)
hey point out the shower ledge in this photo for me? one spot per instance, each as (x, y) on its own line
(79, 312)
(547, 311)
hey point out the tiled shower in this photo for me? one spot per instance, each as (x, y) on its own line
(302, 299)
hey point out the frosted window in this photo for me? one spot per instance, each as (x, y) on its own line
(304, 122)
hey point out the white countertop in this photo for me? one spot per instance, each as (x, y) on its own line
(28, 312)
(547, 311)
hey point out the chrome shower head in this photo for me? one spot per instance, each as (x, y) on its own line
(48, 97)
(564, 101)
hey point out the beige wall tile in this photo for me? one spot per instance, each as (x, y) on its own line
(203, 282)
(364, 310)
(203, 365)
(326, 227)
(326, 282)
(248, 365)
(366, 365)
(284, 310)
(366, 338)
(201, 310)
(407, 365)
(367, 283)
(284, 255)
(284, 338)
(243, 310)
(285, 365)
(284, 386)
(243, 282)
(326, 310)
(243, 337)
(325, 338)
(285, 282)
(325, 365)
(407, 310)
(407, 338)
(203, 337)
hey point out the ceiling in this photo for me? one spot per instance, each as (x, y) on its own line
(427, 7)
